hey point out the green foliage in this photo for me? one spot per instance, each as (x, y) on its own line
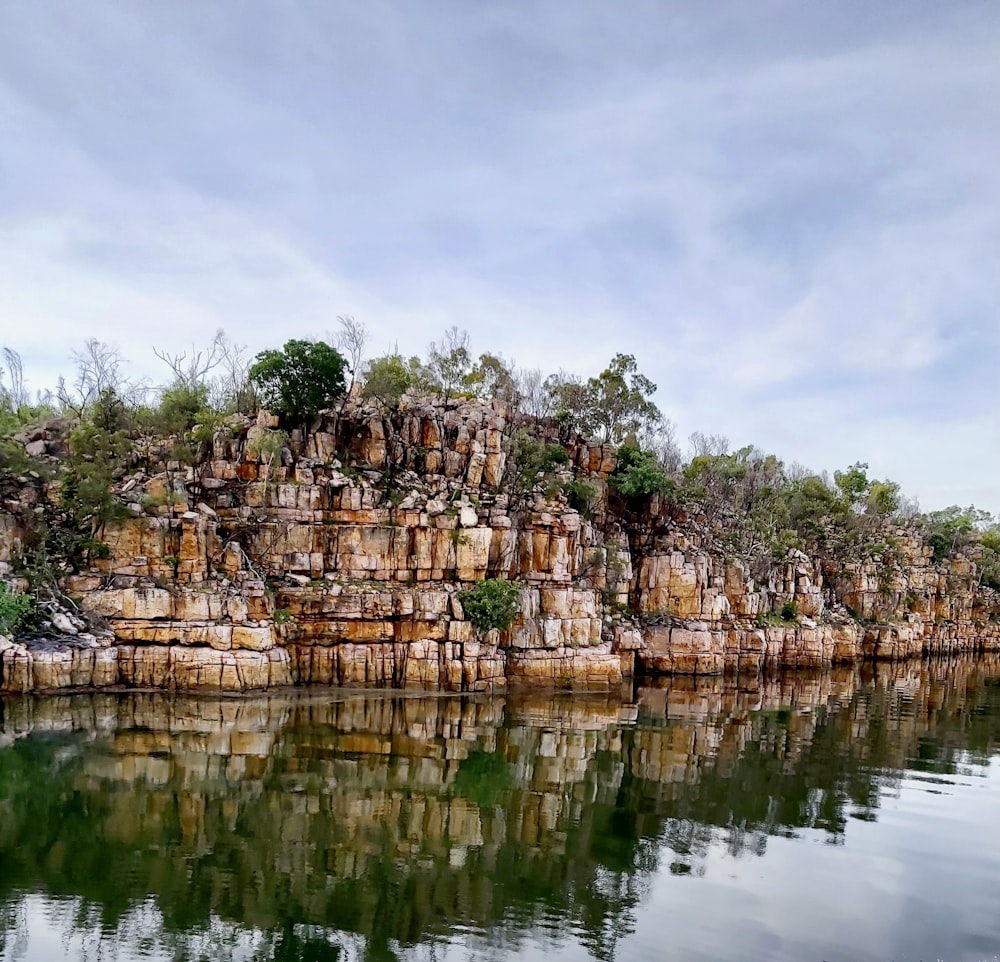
(14, 608)
(14, 419)
(811, 504)
(619, 400)
(268, 446)
(491, 378)
(953, 528)
(853, 484)
(613, 406)
(185, 413)
(492, 603)
(484, 778)
(766, 620)
(883, 498)
(282, 616)
(581, 495)
(300, 380)
(532, 460)
(13, 458)
(449, 361)
(789, 611)
(387, 379)
(989, 565)
(639, 474)
(180, 406)
(87, 500)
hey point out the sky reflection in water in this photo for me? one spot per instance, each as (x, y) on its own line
(848, 815)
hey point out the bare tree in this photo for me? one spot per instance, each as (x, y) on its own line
(708, 445)
(232, 388)
(450, 360)
(99, 381)
(351, 340)
(796, 472)
(16, 395)
(660, 437)
(190, 371)
(534, 399)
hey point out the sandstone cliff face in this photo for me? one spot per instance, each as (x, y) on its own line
(339, 562)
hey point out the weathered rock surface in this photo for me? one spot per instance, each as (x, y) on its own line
(247, 573)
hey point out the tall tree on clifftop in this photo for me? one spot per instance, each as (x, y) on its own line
(450, 360)
(613, 406)
(300, 380)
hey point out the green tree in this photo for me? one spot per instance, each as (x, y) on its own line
(181, 407)
(300, 380)
(811, 504)
(953, 528)
(883, 498)
(569, 400)
(87, 497)
(989, 565)
(449, 361)
(492, 377)
(619, 400)
(613, 406)
(639, 474)
(853, 485)
(530, 461)
(387, 380)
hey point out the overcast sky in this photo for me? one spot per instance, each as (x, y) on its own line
(789, 211)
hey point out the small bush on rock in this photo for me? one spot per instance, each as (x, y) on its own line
(14, 608)
(492, 603)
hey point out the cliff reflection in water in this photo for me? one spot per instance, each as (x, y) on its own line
(397, 820)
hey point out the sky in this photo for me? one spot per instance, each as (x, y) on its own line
(788, 210)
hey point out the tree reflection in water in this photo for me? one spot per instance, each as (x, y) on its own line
(314, 819)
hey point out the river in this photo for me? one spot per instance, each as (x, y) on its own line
(849, 815)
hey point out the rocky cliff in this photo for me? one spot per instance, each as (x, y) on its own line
(336, 557)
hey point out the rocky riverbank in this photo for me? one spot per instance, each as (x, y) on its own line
(339, 560)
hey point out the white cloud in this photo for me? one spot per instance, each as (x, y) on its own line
(793, 223)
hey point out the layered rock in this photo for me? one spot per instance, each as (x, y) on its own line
(341, 562)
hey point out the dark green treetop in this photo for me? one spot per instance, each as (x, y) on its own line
(300, 380)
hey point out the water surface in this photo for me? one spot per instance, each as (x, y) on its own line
(853, 815)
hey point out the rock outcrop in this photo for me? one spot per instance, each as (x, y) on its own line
(341, 561)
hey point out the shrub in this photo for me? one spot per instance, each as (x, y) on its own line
(387, 380)
(535, 456)
(580, 494)
(531, 459)
(268, 446)
(180, 407)
(492, 603)
(639, 474)
(14, 608)
(789, 611)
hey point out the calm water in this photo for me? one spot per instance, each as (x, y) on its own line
(844, 816)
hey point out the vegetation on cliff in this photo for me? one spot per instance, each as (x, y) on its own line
(78, 446)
